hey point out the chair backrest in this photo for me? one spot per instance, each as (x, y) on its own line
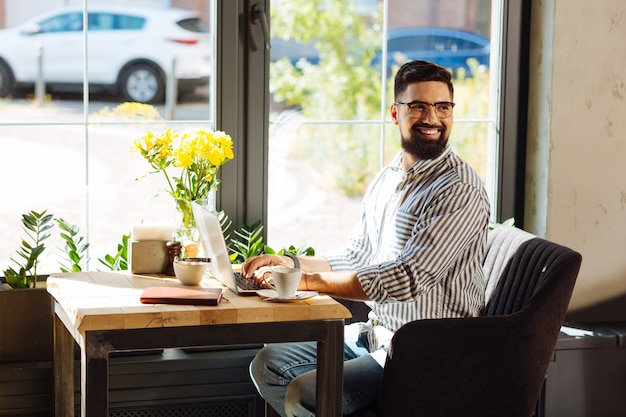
(493, 365)
(525, 264)
(502, 243)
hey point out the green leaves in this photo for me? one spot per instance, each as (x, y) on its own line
(118, 261)
(37, 228)
(508, 222)
(75, 246)
(247, 243)
(346, 85)
(302, 250)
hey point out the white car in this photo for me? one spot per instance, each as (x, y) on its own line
(131, 51)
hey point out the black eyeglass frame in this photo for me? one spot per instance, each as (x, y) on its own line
(411, 106)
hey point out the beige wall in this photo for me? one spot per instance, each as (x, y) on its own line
(576, 182)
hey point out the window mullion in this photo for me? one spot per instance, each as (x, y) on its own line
(241, 109)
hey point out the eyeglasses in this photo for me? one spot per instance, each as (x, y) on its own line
(419, 109)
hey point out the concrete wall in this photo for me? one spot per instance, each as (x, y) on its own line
(576, 166)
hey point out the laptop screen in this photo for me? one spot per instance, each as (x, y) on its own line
(214, 245)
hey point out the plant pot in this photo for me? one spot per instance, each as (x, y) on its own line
(26, 352)
(26, 325)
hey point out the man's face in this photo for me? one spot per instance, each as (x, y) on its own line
(423, 134)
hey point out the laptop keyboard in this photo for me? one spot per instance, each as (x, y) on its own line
(245, 283)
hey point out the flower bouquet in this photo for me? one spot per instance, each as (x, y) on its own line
(189, 161)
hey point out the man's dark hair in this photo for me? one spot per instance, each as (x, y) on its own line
(416, 71)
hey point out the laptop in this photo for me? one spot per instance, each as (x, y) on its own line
(212, 240)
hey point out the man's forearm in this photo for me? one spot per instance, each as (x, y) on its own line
(314, 264)
(339, 284)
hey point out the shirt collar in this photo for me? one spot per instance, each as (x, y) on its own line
(421, 165)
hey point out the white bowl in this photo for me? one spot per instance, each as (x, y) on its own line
(190, 272)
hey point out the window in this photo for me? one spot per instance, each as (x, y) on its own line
(111, 21)
(69, 22)
(330, 127)
(69, 152)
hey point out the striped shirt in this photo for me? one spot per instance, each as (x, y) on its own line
(419, 245)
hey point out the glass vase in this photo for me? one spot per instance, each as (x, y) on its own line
(187, 229)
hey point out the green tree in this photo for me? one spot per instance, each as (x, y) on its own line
(344, 85)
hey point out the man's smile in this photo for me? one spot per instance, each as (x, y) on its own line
(429, 132)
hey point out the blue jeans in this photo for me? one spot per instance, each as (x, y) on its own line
(284, 375)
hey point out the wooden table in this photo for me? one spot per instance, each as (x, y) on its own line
(101, 311)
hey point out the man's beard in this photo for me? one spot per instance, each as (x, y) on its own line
(424, 148)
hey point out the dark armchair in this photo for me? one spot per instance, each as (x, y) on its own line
(492, 365)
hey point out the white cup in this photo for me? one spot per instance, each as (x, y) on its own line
(190, 271)
(286, 281)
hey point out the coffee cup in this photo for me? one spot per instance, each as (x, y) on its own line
(285, 281)
(190, 271)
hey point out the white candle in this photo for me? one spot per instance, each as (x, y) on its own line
(152, 231)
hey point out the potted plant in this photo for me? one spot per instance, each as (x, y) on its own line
(26, 315)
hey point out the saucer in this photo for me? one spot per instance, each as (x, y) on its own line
(271, 295)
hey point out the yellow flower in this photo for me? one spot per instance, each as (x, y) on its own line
(184, 155)
(132, 111)
(197, 153)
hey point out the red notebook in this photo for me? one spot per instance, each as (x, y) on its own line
(180, 295)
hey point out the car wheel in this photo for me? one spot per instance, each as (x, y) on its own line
(142, 83)
(6, 80)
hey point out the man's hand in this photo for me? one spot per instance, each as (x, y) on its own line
(255, 263)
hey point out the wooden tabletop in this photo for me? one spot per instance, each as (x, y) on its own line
(110, 300)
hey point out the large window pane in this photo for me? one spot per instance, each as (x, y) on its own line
(42, 168)
(316, 180)
(68, 151)
(331, 81)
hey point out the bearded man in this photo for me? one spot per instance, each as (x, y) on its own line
(415, 253)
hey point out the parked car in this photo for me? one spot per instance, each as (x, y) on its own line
(294, 50)
(450, 48)
(130, 51)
